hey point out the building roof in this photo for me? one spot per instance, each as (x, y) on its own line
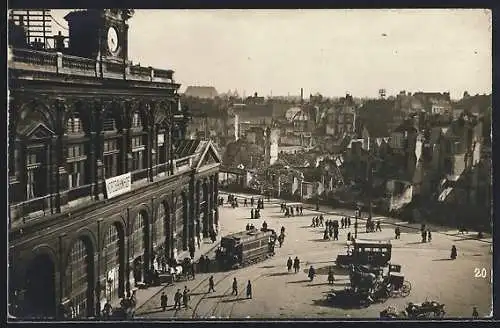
(201, 92)
(185, 148)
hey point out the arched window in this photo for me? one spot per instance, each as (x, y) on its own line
(112, 262)
(179, 223)
(78, 279)
(138, 153)
(138, 241)
(159, 227)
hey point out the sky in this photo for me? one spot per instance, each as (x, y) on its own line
(277, 52)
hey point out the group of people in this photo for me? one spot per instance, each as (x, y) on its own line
(317, 221)
(235, 288)
(178, 298)
(331, 230)
(425, 233)
(295, 263)
(255, 213)
(289, 210)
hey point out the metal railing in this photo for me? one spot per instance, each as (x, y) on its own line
(33, 60)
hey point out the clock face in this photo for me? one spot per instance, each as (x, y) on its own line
(112, 39)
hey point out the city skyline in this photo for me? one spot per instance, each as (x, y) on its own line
(280, 51)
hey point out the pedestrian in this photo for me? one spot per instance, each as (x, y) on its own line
(163, 301)
(207, 264)
(245, 203)
(249, 289)
(325, 234)
(108, 309)
(311, 273)
(235, 287)
(177, 299)
(251, 214)
(336, 234)
(248, 225)
(264, 226)
(185, 297)
(378, 226)
(396, 232)
(297, 209)
(291, 210)
(429, 236)
(296, 264)
(475, 314)
(211, 285)
(453, 252)
(349, 236)
(331, 278)
(282, 229)
(342, 223)
(289, 263)
(202, 264)
(313, 222)
(301, 209)
(251, 201)
(424, 236)
(191, 249)
(349, 221)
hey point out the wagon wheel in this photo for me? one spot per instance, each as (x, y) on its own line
(392, 291)
(405, 289)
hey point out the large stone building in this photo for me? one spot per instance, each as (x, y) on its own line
(101, 179)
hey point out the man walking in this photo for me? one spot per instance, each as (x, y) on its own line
(235, 287)
(249, 289)
(185, 297)
(177, 299)
(163, 301)
(211, 284)
(296, 264)
(289, 264)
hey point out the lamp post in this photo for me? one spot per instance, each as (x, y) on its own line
(357, 214)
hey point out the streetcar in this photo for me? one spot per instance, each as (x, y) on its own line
(245, 248)
(367, 252)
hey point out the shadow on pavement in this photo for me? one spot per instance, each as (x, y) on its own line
(415, 243)
(318, 284)
(216, 296)
(267, 266)
(320, 240)
(196, 294)
(278, 274)
(235, 300)
(447, 259)
(297, 281)
(325, 303)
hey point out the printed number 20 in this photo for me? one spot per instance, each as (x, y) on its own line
(480, 273)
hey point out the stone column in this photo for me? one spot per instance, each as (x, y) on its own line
(211, 204)
(216, 191)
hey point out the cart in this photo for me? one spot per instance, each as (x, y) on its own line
(398, 285)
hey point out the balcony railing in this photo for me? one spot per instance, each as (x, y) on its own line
(32, 60)
(19, 212)
(79, 192)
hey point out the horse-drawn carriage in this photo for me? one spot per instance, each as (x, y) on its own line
(184, 271)
(366, 252)
(425, 310)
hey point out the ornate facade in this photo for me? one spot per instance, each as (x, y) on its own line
(100, 180)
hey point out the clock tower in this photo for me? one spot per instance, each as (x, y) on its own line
(99, 34)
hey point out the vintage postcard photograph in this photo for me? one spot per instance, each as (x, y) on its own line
(249, 164)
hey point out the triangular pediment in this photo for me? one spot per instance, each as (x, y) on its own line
(210, 156)
(38, 131)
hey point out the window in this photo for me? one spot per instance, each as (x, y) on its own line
(112, 262)
(138, 242)
(76, 166)
(35, 174)
(74, 124)
(138, 153)
(136, 120)
(179, 223)
(77, 284)
(109, 124)
(162, 149)
(110, 158)
(159, 226)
